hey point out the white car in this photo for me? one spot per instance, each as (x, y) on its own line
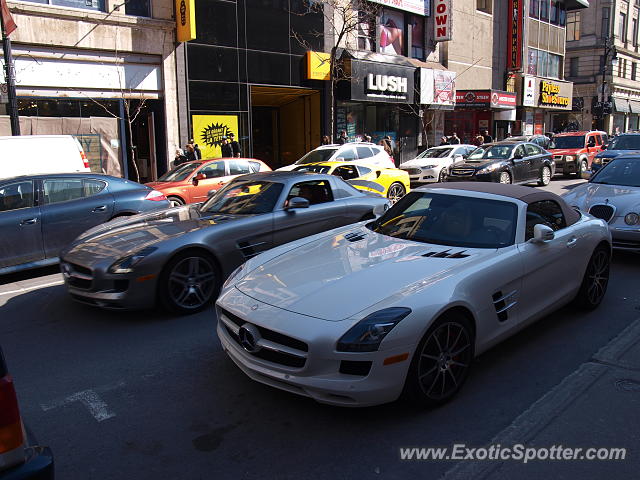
(433, 164)
(356, 152)
(359, 315)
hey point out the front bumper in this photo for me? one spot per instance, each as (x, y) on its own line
(563, 166)
(38, 465)
(483, 177)
(625, 237)
(319, 377)
(423, 175)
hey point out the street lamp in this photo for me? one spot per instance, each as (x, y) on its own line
(603, 106)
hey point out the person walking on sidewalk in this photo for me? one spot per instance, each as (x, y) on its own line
(235, 146)
(487, 137)
(225, 148)
(454, 139)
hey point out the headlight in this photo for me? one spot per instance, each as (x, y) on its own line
(233, 275)
(490, 168)
(126, 264)
(429, 166)
(569, 158)
(597, 160)
(366, 335)
(631, 218)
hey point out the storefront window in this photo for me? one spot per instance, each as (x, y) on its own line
(532, 65)
(417, 36)
(618, 122)
(392, 32)
(534, 8)
(85, 4)
(366, 31)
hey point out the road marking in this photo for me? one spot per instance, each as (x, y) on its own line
(90, 399)
(35, 287)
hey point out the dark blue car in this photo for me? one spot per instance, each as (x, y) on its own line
(623, 143)
(41, 214)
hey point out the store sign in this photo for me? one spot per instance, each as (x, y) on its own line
(528, 91)
(485, 99)
(208, 131)
(381, 82)
(514, 46)
(442, 21)
(185, 20)
(551, 95)
(318, 65)
(421, 7)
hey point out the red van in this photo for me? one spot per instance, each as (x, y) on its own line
(573, 152)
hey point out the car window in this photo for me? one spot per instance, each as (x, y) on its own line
(545, 212)
(491, 152)
(605, 137)
(214, 170)
(317, 156)
(363, 170)
(571, 141)
(58, 190)
(346, 172)
(519, 151)
(239, 167)
(364, 152)
(16, 195)
(532, 149)
(244, 198)
(598, 139)
(591, 140)
(347, 154)
(625, 142)
(179, 173)
(621, 171)
(316, 191)
(254, 166)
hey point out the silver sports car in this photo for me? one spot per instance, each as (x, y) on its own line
(180, 256)
(613, 194)
(360, 314)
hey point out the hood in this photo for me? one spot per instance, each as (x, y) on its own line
(126, 236)
(479, 164)
(615, 153)
(162, 185)
(625, 199)
(564, 151)
(419, 162)
(336, 276)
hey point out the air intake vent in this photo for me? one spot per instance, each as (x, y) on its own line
(503, 303)
(605, 212)
(446, 254)
(354, 236)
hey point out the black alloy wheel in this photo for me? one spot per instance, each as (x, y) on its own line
(595, 281)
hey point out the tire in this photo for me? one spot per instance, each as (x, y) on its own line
(583, 166)
(189, 282)
(441, 362)
(442, 176)
(545, 176)
(396, 192)
(505, 177)
(175, 201)
(595, 281)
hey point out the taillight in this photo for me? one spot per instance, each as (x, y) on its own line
(155, 196)
(84, 159)
(10, 424)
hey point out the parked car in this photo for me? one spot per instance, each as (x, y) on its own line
(357, 152)
(20, 459)
(362, 314)
(392, 183)
(41, 214)
(433, 164)
(178, 258)
(506, 162)
(39, 154)
(573, 152)
(190, 182)
(621, 144)
(613, 194)
(541, 140)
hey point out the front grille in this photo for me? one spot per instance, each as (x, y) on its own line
(463, 171)
(414, 171)
(354, 236)
(605, 212)
(77, 276)
(626, 244)
(353, 367)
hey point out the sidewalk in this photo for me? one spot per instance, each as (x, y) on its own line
(596, 406)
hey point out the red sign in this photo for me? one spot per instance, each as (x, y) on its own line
(9, 24)
(514, 46)
(442, 20)
(485, 99)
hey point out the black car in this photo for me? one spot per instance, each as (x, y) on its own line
(506, 162)
(543, 141)
(620, 144)
(19, 458)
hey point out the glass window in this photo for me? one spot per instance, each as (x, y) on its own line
(544, 10)
(484, 5)
(532, 150)
(562, 15)
(625, 142)
(604, 27)
(392, 32)
(364, 170)
(140, 8)
(347, 154)
(214, 170)
(622, 27)
(16, 195)
(532, 63)
(316, 191)
(570, 141)
(534, 8)
(244, 198)
(239, 167)
(546, 212)
(573, 26)
(59, 190)
(93, 187)
(417, 36)
(492, 152)
(179, 173)
(366, 31)
(254, 166)
(554, 16)
(634, 31)
(573, 66)
(346, 172)
(364, 152)
(84, 4)
(317, 156)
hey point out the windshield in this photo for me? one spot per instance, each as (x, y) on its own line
(569, 142)
(244, 198)
(317, 156)
(313, 168)
(179, 173)
(625, 142)
(491, 152)
(450, 220)
(435, 153)
(621, 172)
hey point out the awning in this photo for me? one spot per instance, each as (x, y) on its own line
(576, 4)
(621, 105)
(635, 106)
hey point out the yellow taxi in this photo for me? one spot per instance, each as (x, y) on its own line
(392, 183)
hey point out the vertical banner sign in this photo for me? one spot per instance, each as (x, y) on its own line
(208, 131)
(9, 24)
(442, 21)
(528, 91)
(514, 48)
(185, 20)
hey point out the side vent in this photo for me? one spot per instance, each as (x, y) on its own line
(354, 236)
(446, 254)
(249, 249)
(502, 304)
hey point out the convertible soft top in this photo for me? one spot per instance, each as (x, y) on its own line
(525, 194)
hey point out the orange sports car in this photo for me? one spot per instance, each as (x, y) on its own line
(190, 182)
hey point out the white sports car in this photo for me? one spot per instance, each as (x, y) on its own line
(362, 314)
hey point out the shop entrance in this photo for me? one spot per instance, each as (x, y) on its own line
(285, 123)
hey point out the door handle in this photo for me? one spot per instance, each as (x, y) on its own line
(101, 208)
(572, 242)
(29, 221)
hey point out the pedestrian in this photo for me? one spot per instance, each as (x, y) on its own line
(325, 140)
(444, 141)
(367, 138)
(487, 137)
(197, 149)
(342, 139)
(479, 140)
(235, 146)
(180, 157)
(225, 148)
(454, 139)
(190, 152)
(386, 144)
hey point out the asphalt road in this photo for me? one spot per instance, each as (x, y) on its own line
(149, 396)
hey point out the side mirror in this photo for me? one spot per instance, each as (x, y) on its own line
(197, 178)
(585, 175)
(458, 158)
(605, 146)
(542, 233)
(297, 202)
(339, 159)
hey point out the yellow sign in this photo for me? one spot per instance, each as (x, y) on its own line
(208, 131)
(185, 20)
(549, 95)
(318, 65)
